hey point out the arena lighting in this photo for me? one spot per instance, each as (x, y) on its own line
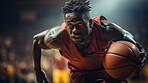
(110, 8)
(102, 6)
(121, 12)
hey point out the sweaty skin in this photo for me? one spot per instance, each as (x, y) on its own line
(79, 28)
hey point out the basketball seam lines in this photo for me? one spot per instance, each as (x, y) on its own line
(124, 57)
(119, 67)
(135, 60)
(130, 49)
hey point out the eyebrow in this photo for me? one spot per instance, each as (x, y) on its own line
(70, 21)
(76, 20)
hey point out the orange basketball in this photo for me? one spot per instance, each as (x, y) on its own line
(120, 61)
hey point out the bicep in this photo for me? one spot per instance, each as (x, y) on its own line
(113, 32)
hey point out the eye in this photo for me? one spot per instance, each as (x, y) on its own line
(70, 25)
(81, 23)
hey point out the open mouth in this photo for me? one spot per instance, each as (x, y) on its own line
(76, 37)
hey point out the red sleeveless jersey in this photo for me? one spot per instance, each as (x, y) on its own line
(91, 57)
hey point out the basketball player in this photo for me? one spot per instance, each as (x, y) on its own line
(82, 41)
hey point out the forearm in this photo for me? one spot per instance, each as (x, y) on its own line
(40, 74)
(127, 36)
(36, 55)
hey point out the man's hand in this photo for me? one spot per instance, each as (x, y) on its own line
(41, 77)
(142, 57)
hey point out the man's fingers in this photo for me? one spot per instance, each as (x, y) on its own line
(138, 45)
(45, 81)
(142, 54)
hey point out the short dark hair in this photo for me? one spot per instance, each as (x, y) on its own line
(77, 6)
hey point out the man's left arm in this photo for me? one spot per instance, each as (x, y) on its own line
(113, 32)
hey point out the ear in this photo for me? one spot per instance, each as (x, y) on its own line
(90, 23)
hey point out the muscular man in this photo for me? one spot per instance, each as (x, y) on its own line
(82, 41)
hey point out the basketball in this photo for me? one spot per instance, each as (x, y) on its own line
(120, 60)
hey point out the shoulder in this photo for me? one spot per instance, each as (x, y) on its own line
(113, 32)
(98, 19)
(52, 31)
(53, 37)
(50, 38)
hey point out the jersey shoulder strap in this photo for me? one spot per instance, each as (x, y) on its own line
(97, 19)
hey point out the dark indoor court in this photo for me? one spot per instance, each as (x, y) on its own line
(20, 20)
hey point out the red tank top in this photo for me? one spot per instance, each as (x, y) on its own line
(91, 57)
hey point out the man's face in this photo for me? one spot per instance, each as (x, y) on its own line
(77, 26)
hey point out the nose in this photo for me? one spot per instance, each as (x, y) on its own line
(75, 31)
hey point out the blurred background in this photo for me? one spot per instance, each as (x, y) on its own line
(20, 20)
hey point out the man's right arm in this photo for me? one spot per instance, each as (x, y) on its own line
(45, 40)
(40, 75)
